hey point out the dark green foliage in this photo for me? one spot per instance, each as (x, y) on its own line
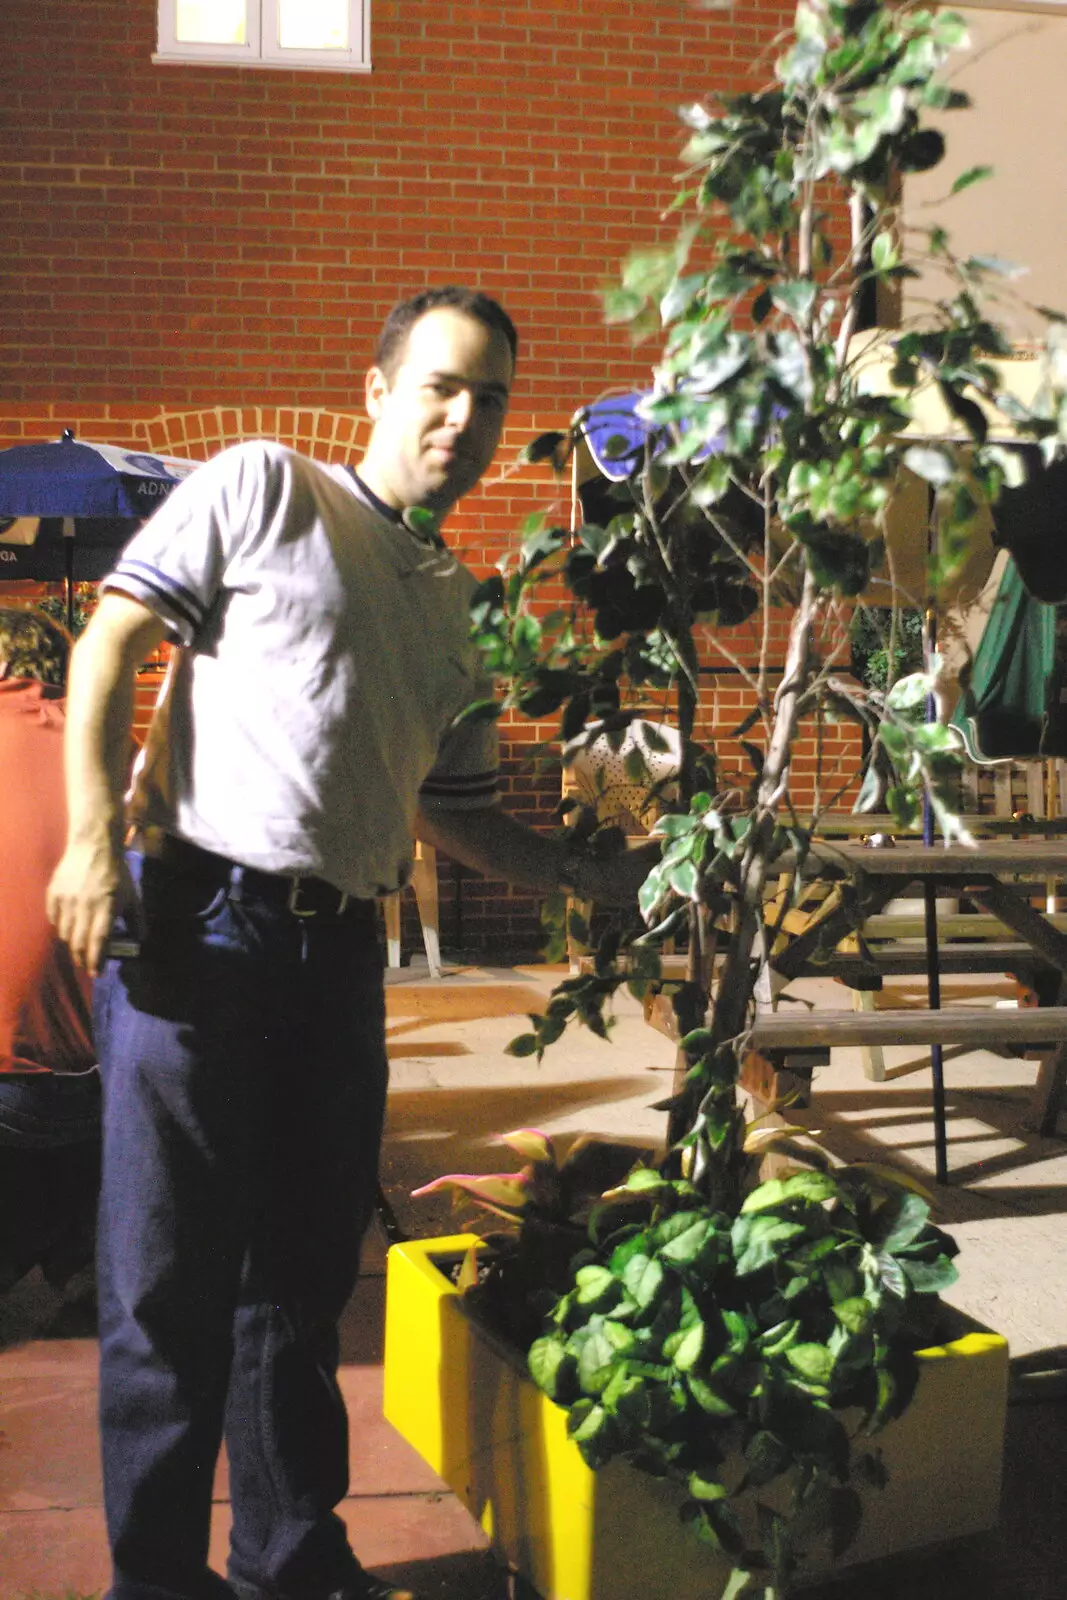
(690, 1339)
(872, 639)
(55, 606)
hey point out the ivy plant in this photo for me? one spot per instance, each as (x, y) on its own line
(733, 1352)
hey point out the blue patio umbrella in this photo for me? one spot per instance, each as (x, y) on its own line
(616, 432)
(35, 547)
(67, 508)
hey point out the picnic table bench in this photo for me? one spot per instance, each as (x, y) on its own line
(997, 876)
(788, 1043)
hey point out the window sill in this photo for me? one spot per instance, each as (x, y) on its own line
(304, 63)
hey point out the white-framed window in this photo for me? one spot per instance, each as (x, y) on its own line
(327, 35)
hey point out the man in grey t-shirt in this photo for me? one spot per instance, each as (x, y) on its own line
(307, 727)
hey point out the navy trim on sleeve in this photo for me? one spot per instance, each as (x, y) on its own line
(181, 601)
(466, 786)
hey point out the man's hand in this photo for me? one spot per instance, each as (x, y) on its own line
(614, 880)
(89, 887)
(91, 883)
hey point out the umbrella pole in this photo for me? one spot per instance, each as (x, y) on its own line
(933, 989)
(933, 957)
(68, 568)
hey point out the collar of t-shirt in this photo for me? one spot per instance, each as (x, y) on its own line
(424, 536)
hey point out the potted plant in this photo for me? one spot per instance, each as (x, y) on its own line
(733, 1339)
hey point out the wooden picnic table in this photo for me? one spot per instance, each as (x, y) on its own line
(995, 874)
(999, 875)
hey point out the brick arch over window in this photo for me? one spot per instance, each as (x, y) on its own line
(313, 430)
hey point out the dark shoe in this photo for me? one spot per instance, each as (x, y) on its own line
(371, 1588)
(365, 1587)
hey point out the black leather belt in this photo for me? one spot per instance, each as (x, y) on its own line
(303, 896)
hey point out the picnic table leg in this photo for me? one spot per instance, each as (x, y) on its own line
(1048, 1094)
(767, 1084)
(830, 929)
(1021, 917)
(872, 1056)
(937, 1058)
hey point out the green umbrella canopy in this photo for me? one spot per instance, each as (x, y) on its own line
(1009, 705)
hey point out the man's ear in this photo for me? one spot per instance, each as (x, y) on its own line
(377, 387)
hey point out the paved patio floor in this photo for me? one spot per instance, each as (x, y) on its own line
(453, 1088)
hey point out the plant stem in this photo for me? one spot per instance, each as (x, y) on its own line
(746, 953)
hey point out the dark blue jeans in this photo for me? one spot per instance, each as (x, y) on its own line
(244, 1069)
(49, 1172)
(47, 1110)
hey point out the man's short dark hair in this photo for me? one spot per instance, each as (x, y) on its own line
(33, 646)
(403, 317)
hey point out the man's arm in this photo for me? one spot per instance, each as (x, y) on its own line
(499, 846)
(91, 883)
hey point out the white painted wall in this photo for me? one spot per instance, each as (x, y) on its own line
(1016, 75)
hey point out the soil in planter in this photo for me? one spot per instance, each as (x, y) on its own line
(519, 1281)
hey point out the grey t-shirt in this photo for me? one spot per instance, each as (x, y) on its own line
(325, 655)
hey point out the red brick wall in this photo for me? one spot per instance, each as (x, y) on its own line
(180, 236)
(202, 235)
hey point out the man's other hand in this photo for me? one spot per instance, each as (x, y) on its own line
(614, 880)
(89, 887)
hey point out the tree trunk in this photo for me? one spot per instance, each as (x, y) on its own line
(731, 1005)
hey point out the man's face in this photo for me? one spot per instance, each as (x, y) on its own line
(438, 420)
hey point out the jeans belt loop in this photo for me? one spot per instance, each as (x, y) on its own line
(292, 905)
(293, 902)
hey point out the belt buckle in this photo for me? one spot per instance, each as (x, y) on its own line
(293, 902)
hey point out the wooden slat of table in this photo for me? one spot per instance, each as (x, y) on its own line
(1037, 858)
(972, 1025)
(851, 826)
(976, 925)
(991, 955)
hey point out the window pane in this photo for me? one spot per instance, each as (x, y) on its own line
(210, 22)
(313, 24)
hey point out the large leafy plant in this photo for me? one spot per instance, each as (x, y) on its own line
(732, 1352)
(707, 1308)
(534, 1220)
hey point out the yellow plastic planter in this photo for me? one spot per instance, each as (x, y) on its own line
(464, 1400)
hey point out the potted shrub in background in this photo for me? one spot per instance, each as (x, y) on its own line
(733, 1340)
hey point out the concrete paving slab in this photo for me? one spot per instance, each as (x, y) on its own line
(454, 1090)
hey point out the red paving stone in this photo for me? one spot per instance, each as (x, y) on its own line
(52, 1537)
(53, 1552)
